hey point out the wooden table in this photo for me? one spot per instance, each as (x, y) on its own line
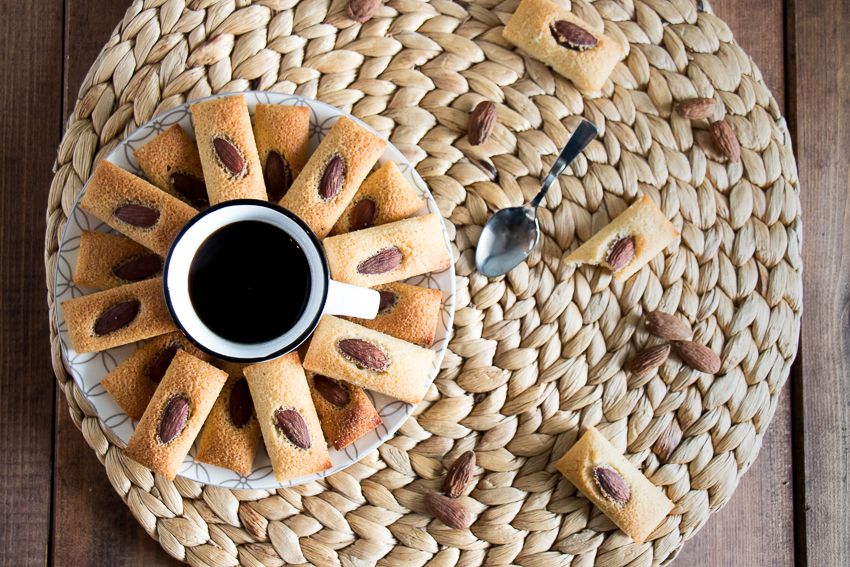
(790, 508)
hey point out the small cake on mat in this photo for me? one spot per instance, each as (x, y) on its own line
(175, 415)
(345, 410)
(282, 133)
(172, 163)
(407, 312)
(110, 260)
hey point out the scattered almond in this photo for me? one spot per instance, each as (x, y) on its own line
(364, 353)
(612, 484)
(381, 262)
(481, 123)
(278, 176)
(459, 475)
(668, 326)
(139, 216)
(117, 317)
(621, 253)
(647, 359)
(293, 426)
(173, 420)
(571, 36)
(160, 363)
(698, 357)
(138, 268)
(726, 139)
(362, 10)
(696, 108)
(668, 441)
(194, 189)
(450, 512)
(229, 156)
(241, 404)
(334, 392)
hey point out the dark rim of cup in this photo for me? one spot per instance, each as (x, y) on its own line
(292, 216)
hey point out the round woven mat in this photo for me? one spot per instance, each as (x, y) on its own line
(537, 354)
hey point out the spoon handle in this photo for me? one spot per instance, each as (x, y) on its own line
(576, 144)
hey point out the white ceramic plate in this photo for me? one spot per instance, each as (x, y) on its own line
(87, 370)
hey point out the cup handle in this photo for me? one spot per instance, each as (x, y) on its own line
(351, 301)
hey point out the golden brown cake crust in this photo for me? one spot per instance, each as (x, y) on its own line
(82, 313)
(392, 195)
(359, 150)
(405, 378)
(344, 425)
(130, 383)
(281, 384)
(285, 130)
(413, 315)
(647, 505)
(222, 443)
(200, 383)
(100, 253)
(111, 187)
(172, 152)
(530, 29)
(419, 239)
(228, 118)
(644, 222)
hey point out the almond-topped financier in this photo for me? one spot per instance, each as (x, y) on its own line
(134, 207)
(615, 485)
(228, 151)
(389, 252)
(369, 359)
(291, 429)
(345, 411)
(384, 197)
(117, 316)
(111, 260)
(175, 414)
(628, 242)
(133, 382)
(406, 312)
(569, 45)
(332, 175)
(172, 162)
(282, 133)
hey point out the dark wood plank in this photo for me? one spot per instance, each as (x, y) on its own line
(756, 528)
(91, 525)
(31, 79)
(819, 115)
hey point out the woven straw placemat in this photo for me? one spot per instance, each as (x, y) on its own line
(537, 354)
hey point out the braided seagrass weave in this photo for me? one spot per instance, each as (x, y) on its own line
(536, 354)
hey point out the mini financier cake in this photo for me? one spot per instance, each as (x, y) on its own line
(629, 241)
(117, 316)
(133, 382)
(345, 410)
(228, 150)
(615, 485)
(282, 133)
(406, 312)
(135, 208)
(331, 177)
(172, 163)
(561, 40)
(369, 359)
(175, 415)
(384, 197)
(389, 252)
(291, 429)
(111, 260)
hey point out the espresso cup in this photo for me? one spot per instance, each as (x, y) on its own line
(248, 281)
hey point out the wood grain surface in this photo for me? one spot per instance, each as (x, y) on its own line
(790, 508)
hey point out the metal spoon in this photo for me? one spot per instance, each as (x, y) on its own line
(511, 234)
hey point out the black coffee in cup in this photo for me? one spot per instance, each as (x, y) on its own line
(249, 282)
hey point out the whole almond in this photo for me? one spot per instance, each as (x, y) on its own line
(571, 36)
(459, 475)
(388, 300)
(364, 353)
(363, 215)
(481, 123)
(117, 317)
(194, 189)
(647, 359)
(381, 262)
(696, 108)
(334, 392)
(138, 268)
(669, 327)
(331, 181)
(726, 139)
(161, 362)
(174, 417)
(612, 484)
(241, 404)
(450, 512)
(698, 357)
(137, 215)
(362, 10)
(621, 253)
(293, 426)
(668, 441)
(230, 157)
(278, 176)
